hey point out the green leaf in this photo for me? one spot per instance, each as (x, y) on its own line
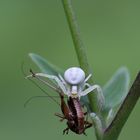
(44, 65)
(117, 88)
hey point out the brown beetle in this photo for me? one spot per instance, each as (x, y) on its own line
(73, 113)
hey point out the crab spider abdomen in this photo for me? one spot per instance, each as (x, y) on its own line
(74, 76)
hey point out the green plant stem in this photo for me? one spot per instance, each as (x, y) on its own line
(78, 44)
(80, 51)
(113, 131)
(79, 47)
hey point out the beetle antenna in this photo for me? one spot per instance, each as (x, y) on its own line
(34, 97)
(22, 68)
(51, 85)
(45, 92)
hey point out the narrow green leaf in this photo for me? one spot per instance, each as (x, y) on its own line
(44, 65)
(117, 88)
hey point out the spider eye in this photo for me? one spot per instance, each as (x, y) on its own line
(74, 75)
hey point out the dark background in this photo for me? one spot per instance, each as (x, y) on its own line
(110, 31)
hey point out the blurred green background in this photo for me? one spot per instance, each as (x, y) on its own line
(111, 34)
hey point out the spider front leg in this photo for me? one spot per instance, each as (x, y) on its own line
(98, 91)
(97, 122)
(50, 77)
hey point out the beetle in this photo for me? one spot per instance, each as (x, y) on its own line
(73, 113)
(74, 85)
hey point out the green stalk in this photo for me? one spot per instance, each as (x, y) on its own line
(78, 44)
(79, 47)
(81, 54)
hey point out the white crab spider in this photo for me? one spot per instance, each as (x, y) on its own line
(74, 83)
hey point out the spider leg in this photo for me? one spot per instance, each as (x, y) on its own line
(87, 78)
(51, 77)
(91, 88)
(100, 96)
(97, 121)
(62, 79)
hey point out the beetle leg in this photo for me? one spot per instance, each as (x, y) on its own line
(60, 116)
(64, 108)
(85, 113)
(87, 124)
(84, 133)
(66, 112)
(66, 131)
(100, 96)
